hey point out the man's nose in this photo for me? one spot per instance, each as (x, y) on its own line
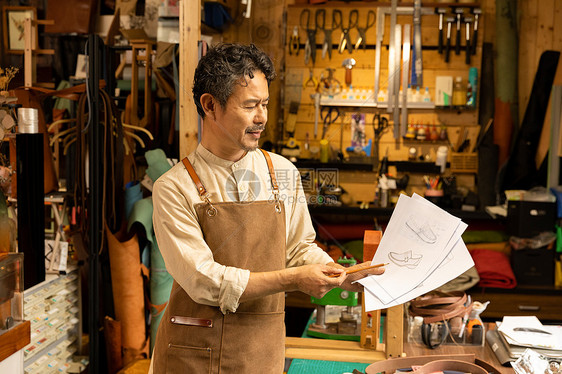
(261, 115)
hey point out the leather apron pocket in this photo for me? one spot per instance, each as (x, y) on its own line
(251, 342)
(184, 359)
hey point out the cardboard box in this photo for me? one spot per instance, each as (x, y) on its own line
(533, 266)
(526, 219)
(443, 90)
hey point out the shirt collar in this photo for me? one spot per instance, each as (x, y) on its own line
(211, 158)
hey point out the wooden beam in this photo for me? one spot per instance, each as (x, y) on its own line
(190, 34)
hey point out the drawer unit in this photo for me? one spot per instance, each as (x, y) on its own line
(547, 306)
(53, 308)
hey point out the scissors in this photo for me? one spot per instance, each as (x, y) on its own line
(310, 46)
(362, 39)
(380, 125)
(294, 42)
(329, 115)
(345, 39)
(321, 25)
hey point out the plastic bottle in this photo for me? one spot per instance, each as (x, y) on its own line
(381, 96)
(421, 134)
(459, 92)
(441, 158)
(410, 94)
(426, 97)
(433, 135)
(417, 95)
(473, 80)
(324, 150)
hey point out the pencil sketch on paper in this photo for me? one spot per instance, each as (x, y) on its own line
(423, 231)
(407, 259)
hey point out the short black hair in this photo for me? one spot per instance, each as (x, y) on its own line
(225, 65)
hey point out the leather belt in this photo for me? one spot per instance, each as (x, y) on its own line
(440, 306)
(431, 364)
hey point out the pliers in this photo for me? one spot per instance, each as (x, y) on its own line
(295, 42)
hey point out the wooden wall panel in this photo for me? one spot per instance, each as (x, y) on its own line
(298, 73)
(540, 30)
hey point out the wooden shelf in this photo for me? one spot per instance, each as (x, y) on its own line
(15, 339)
(374, 4)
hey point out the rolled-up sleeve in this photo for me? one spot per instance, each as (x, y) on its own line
(188, 258)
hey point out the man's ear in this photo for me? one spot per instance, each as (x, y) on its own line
(209, 104)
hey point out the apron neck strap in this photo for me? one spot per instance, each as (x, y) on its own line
(200, 188)
(271, 170)
(203, 192)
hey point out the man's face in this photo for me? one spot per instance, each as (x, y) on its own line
(243, 119)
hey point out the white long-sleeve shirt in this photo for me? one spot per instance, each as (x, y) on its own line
(188, 258)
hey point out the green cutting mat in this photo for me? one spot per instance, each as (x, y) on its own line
(300, 366)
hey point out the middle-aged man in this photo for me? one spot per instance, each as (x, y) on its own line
(234, 229)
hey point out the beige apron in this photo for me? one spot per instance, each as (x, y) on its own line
(196, 338)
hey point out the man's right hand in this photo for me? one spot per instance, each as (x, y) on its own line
(315, 280)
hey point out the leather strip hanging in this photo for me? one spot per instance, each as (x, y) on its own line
(113, 156)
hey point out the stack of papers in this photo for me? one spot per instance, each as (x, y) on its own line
(423, 248)
(515, 335)
(529, 332)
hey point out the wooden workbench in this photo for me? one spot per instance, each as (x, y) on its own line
(334, 350)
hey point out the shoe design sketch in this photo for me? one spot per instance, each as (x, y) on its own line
(424, 232)
(408, 259)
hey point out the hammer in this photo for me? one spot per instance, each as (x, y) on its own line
(458, 11)
(477, 12)
(348, 63)
(441, 12)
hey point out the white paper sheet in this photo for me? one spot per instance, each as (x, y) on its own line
(448, 270)
(444, 255)
(414, 242)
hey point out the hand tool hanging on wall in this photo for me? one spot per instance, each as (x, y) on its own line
(467, 22)
(417, 66)
(441, 12)
(329, 115)
(405, 65)
(449, 20)
(348, 63)
(362, 38)
(310, 45)
(330, 86)
(311, 81)
(315, 84)
(345, 38)
(392, 56)
(294, 42)
(291, 148)
(380, 34)
(321, 25)
(477, 12)
(316, 98)
(396, 80)
(458, 12)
